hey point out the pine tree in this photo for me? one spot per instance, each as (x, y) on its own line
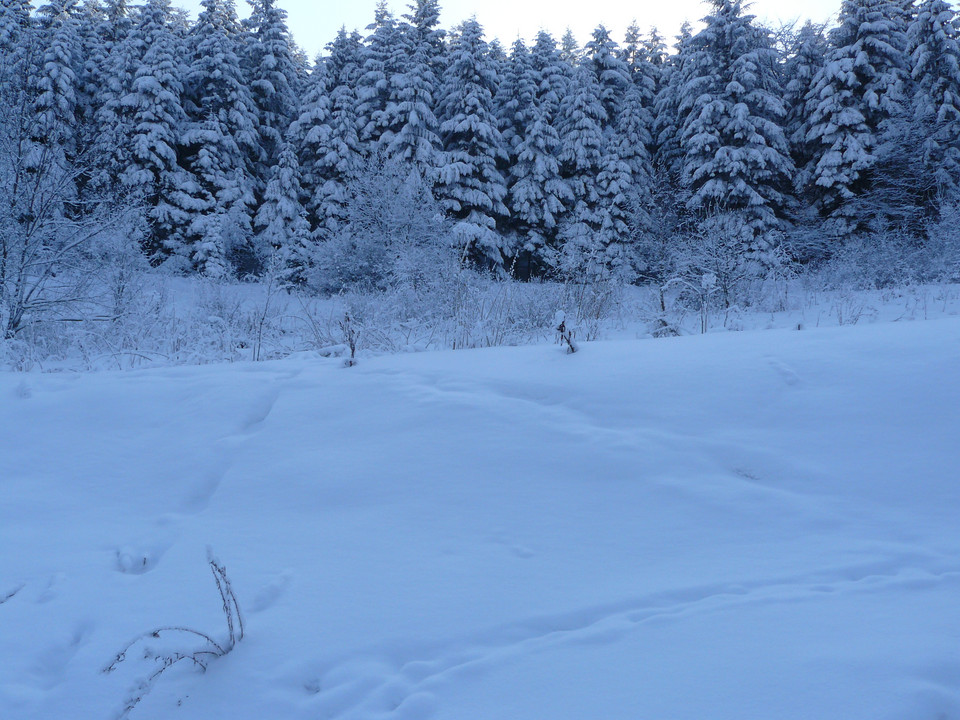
(631, 52)
(17, 45)
(670, 113)
(345, 58)
(424, 20)
(800, 69)
(583, 156)
(655, 56)
(91, 20)
(935, 37)
(516, 93)
(470, 186)
(310, 136)
(602, 56)
(570, 51)
(56, 84)
(384, 59)
(630, 144)
(158, 120)
(553, 73)
(113, 121)
(273, 78)
(14, 25)
(221, 136)
(536, 193)
(281, 226)
(328, 146)
(851, 104)
(412, 101)
(736, 157)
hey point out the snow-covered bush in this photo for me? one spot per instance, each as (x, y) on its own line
(394, 234)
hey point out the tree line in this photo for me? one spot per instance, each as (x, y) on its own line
(226, 152)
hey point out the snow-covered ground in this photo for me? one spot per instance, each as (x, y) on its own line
(735, 525)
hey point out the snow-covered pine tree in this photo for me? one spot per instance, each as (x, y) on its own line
(220, 138)
(536, 193)
(14, 26)
(583, 156)
(603, 57)
(113, 121)
(384, 58)
(655, 55)
(644, 65)
(736, 157)
(55, 84)
(516, 94)
(17, 45)
(669, 118)
(497, 57)
(635, 126)
(158, 121)
(344, 59)
(470, 185)
(309, 135)
(570, 51)
(414, 90)
(327, 143)
(424, 20)
(273, 78)
(630, 143)
(631, 52)
(806, 59)
(935, 37)
(282, 231)
(553, 73)
(91, 20)
(850, 105)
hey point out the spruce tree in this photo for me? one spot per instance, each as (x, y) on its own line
(273, 78)
(736, 157)
(384, 60)
(536, 192)
(113, 120)
(414, 90)
(221, 136)
(670, 113)
(282, 231)
(56, 82)
(603, 57)
(553, 73)
(935, 36)
(853, 101)
(583, 156)
(157, 122)
(807, 58)
(470, 185)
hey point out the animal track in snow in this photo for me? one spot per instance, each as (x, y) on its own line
(786, 373)
(138, 560)
(362, 689)
(268, 595)
(4, 597)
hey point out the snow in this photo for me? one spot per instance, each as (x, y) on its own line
(731, 525)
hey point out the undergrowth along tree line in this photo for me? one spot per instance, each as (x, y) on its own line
(214, 147)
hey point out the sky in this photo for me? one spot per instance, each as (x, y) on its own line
(315, 23)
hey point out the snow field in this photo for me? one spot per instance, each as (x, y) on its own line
(757, 524)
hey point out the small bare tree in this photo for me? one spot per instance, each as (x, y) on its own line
(45, 226)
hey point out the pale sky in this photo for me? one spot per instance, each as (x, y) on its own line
(315, 23)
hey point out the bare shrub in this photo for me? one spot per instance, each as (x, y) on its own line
(168, 646)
